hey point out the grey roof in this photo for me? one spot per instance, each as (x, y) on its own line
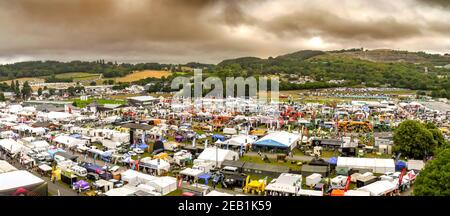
(266, 167)
(316, 169)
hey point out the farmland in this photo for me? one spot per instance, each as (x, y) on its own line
(138, 75)
(83, 103)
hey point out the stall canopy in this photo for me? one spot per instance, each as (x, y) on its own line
(379, 188)
(11, 146)
(68, 140)
(375, 165)
(218, 137)
(332, 161)
(240, 140)
(217, 154)
(6, 167)
(279, 139)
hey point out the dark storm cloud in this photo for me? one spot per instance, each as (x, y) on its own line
(438, 3)
(208, 30)
(318, 22)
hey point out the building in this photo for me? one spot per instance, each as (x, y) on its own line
(142, 100)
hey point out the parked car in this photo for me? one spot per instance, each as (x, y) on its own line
(93, 176)
(138, 150)
(117, 183)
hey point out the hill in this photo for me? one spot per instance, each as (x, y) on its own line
(387, 55)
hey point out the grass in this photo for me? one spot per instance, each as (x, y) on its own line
(82, 104)
(259, 160)
(138, 75)
(176, 192)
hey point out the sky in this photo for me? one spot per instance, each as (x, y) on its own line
(208, 31)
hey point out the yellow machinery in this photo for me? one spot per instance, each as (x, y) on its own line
(363, 126)
(122, 130)
(162, 156)
(255, 186)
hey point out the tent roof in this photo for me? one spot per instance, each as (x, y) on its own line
(280, 139)
(17, 179)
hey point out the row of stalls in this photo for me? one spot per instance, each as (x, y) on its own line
(140, 182)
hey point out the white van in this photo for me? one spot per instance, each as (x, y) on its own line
(79, 171)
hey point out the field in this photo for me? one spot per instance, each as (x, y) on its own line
(29, 79)
(79, 76)
(82, 104)
(138, 75)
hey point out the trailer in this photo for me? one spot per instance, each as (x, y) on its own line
(313, 179)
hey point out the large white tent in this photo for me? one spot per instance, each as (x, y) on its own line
(11, 146)
(379, 188)
(6, 167)
(69, 141)
(218, 154)
(375, 165)
(240, 140)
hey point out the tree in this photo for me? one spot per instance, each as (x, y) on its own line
(13, 86)
(413, 140)
(26, 90)
(2, 97)
(39, 91)
(93, 83)
(433, 179)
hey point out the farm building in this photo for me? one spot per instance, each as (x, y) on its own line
(308, 170)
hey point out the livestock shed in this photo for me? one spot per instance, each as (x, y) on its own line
(237, 164)
(264, 169)
(374, 165)
(308, 170)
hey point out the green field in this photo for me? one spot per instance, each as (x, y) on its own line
(259, 160)
(82, 104)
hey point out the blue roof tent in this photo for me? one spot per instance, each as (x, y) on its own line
(52, 152)
(205, 176)
(399, 165)
(270, 143)
(333, 161)
(141, 146)
(76, 136)
(218, 137)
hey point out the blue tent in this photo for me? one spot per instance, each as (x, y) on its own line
(52, 152)
(205, 176)
(399, 165)
(270, 143)
(218, 137)
(76, 136)
(333, 161)
(142, 146)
